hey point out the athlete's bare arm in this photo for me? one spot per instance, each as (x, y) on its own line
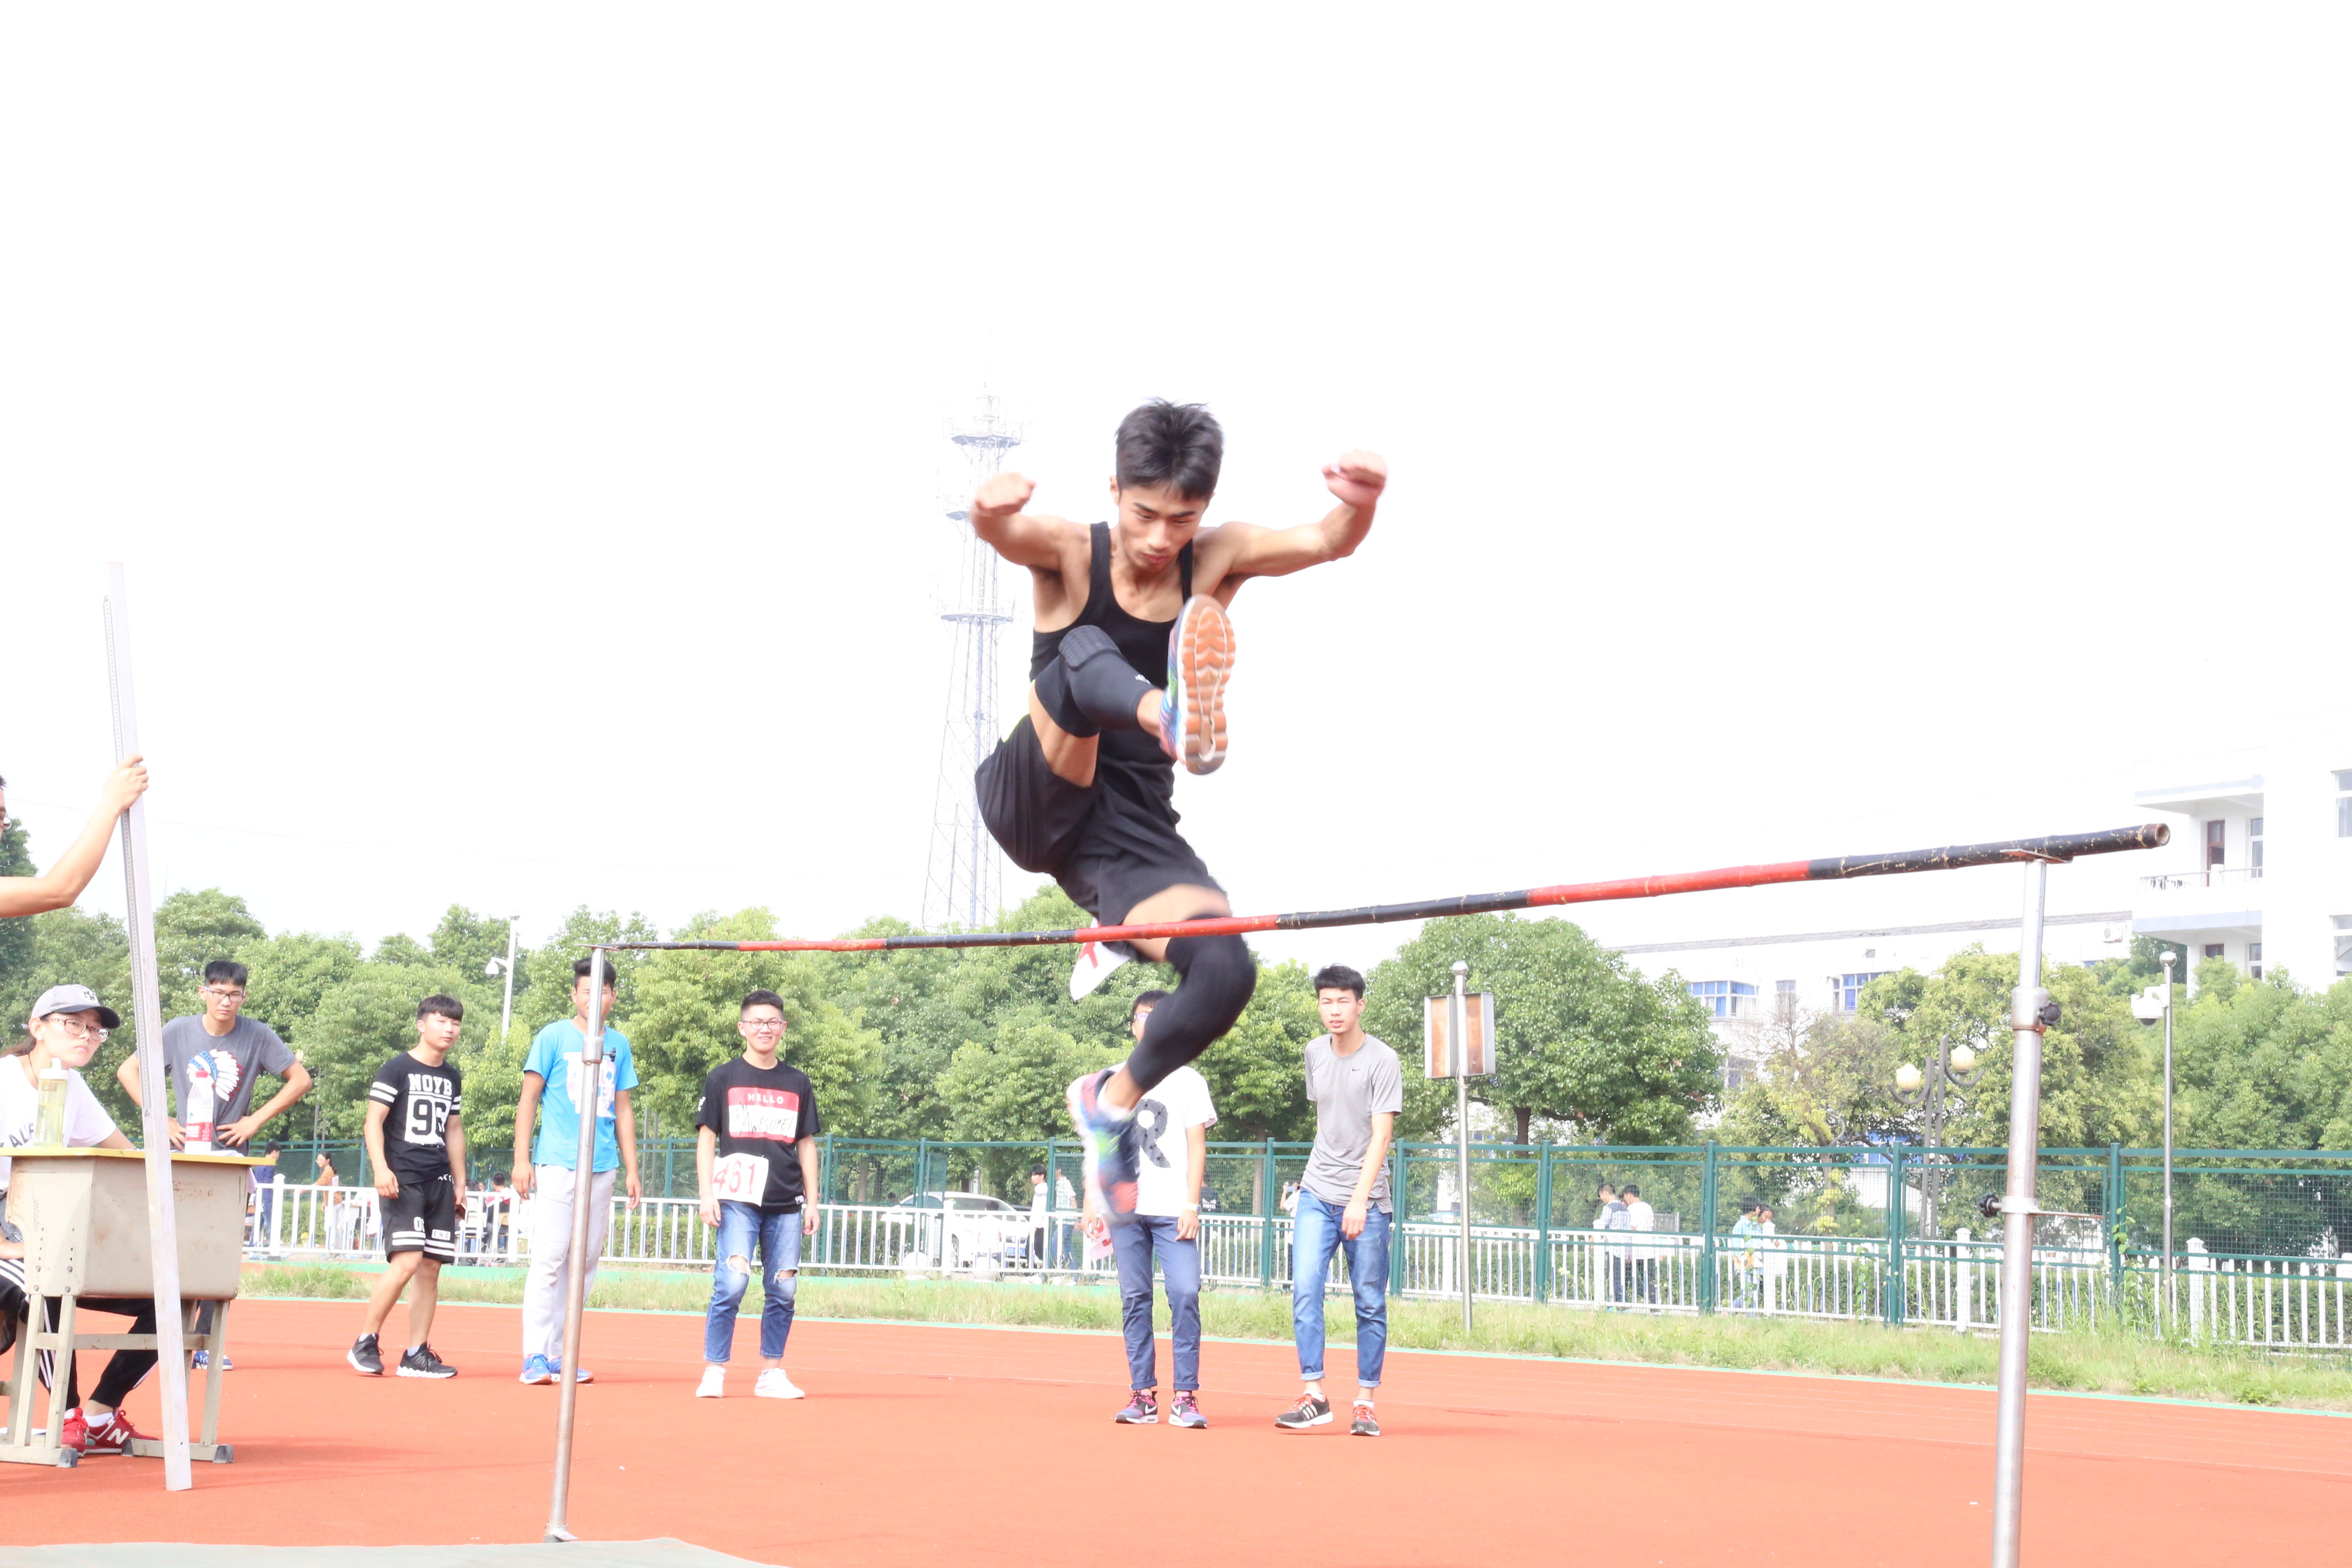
(1055, 549)
(1235, 550)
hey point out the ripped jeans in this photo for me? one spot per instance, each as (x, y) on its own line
(778, 1239)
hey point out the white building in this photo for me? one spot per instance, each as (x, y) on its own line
(2259, 872)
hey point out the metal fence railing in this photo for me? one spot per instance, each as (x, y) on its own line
(1888, 1233)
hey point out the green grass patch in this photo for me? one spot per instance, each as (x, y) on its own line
(2096, 1362)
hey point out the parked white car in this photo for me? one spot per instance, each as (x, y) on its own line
(956, 1227)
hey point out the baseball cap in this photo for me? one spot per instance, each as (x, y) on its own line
(75, 999)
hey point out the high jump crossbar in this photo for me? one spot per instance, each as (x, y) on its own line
(2059, 847)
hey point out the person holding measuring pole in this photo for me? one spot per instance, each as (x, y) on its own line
(554, 1074)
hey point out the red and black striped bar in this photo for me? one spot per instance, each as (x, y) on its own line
(1837, 868)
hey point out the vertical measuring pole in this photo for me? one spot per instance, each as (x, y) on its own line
(147, 1016)
(587, 1099)
(1457, 1026)
(2030, 1013)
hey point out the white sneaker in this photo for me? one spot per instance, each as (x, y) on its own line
(1095, 961)
(713, 1385)
(775, 1385)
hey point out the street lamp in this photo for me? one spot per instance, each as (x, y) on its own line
(505, 966)
(2149, 1006)
(1956, 1067)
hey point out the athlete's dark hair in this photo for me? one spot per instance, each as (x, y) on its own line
(1176, 446)
(1145, 999)
(579, 967)
(1630, 1191)
(447, 1007)
(1338, 977)
(227, 969)
(761, 999)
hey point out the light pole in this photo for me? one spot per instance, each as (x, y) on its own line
(2147, 1008)
(1956, 1067)
(505, 966)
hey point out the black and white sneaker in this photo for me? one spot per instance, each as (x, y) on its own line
(422, 1362)
(1308, 1412)
(364, 1357)
(1364, 1425)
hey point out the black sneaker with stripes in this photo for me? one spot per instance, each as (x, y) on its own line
(422, 1362)
(1308, 1412)
(363, 1356)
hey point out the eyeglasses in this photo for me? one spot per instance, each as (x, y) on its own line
(764, 1026)
(89, 1028)
(224, 993)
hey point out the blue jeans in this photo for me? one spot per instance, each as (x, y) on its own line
(778, 1236)
(1314, 1237)
(1134, 1246)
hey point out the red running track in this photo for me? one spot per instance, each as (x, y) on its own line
(922, 1447)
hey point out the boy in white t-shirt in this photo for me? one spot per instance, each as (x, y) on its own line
(1173, 1120)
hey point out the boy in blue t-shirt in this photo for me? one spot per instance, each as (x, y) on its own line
(552, 1075)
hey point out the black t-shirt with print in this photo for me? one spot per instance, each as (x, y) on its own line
(760, 1117)
(420, 1101)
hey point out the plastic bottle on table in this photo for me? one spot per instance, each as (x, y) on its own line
(198, 1121)
(49, 1124)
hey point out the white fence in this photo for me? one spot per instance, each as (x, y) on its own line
(2272, 1302)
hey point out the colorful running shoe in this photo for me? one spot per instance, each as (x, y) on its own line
(1140, 1411)
(579, 1373)
(1095, 961)
(1186, 1410)
(73, 1432)
(1110, 1142)
(1308, 1412)
(365, 1358)
(535, 1369)
(1364, 1425)
(1193, 704)
(113, 1437)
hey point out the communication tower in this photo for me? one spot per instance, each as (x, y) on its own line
(964, 882)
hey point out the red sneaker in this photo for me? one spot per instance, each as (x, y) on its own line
(73, 1432)
(115, 1437)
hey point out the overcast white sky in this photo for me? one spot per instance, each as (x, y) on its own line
(1813, 429)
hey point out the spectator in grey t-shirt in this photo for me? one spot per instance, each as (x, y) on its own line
(1343, 1196)
(236, 1052)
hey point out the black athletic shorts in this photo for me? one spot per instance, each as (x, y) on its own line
(423, 1219)
(1109, 843)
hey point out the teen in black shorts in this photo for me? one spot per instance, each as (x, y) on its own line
(417, 1143)
(1083, 789)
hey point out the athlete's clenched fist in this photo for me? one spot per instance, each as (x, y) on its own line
(1356, 478)
(1003, 496)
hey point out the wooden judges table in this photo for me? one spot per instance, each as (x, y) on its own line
(83, 1215)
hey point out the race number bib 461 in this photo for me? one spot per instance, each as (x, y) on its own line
(740, 1178)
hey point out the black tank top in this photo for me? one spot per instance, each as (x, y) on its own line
(1143, 644)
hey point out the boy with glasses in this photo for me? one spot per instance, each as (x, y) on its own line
(755, 1168)
(215, 1059)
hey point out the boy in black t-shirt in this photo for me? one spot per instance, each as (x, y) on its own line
(755, 1161)
(418, 1147)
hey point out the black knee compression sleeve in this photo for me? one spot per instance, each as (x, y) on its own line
(1089, 687)
(1219, 977)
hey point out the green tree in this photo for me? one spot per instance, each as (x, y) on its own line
(16, 934)
(682, 1023)
(1012, 1086)
(1257, 1073)
(1582, 1041)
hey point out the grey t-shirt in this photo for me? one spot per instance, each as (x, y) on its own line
(237, 1060)
(1347, 1091)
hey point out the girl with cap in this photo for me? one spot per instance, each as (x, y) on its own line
(69, 1025)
